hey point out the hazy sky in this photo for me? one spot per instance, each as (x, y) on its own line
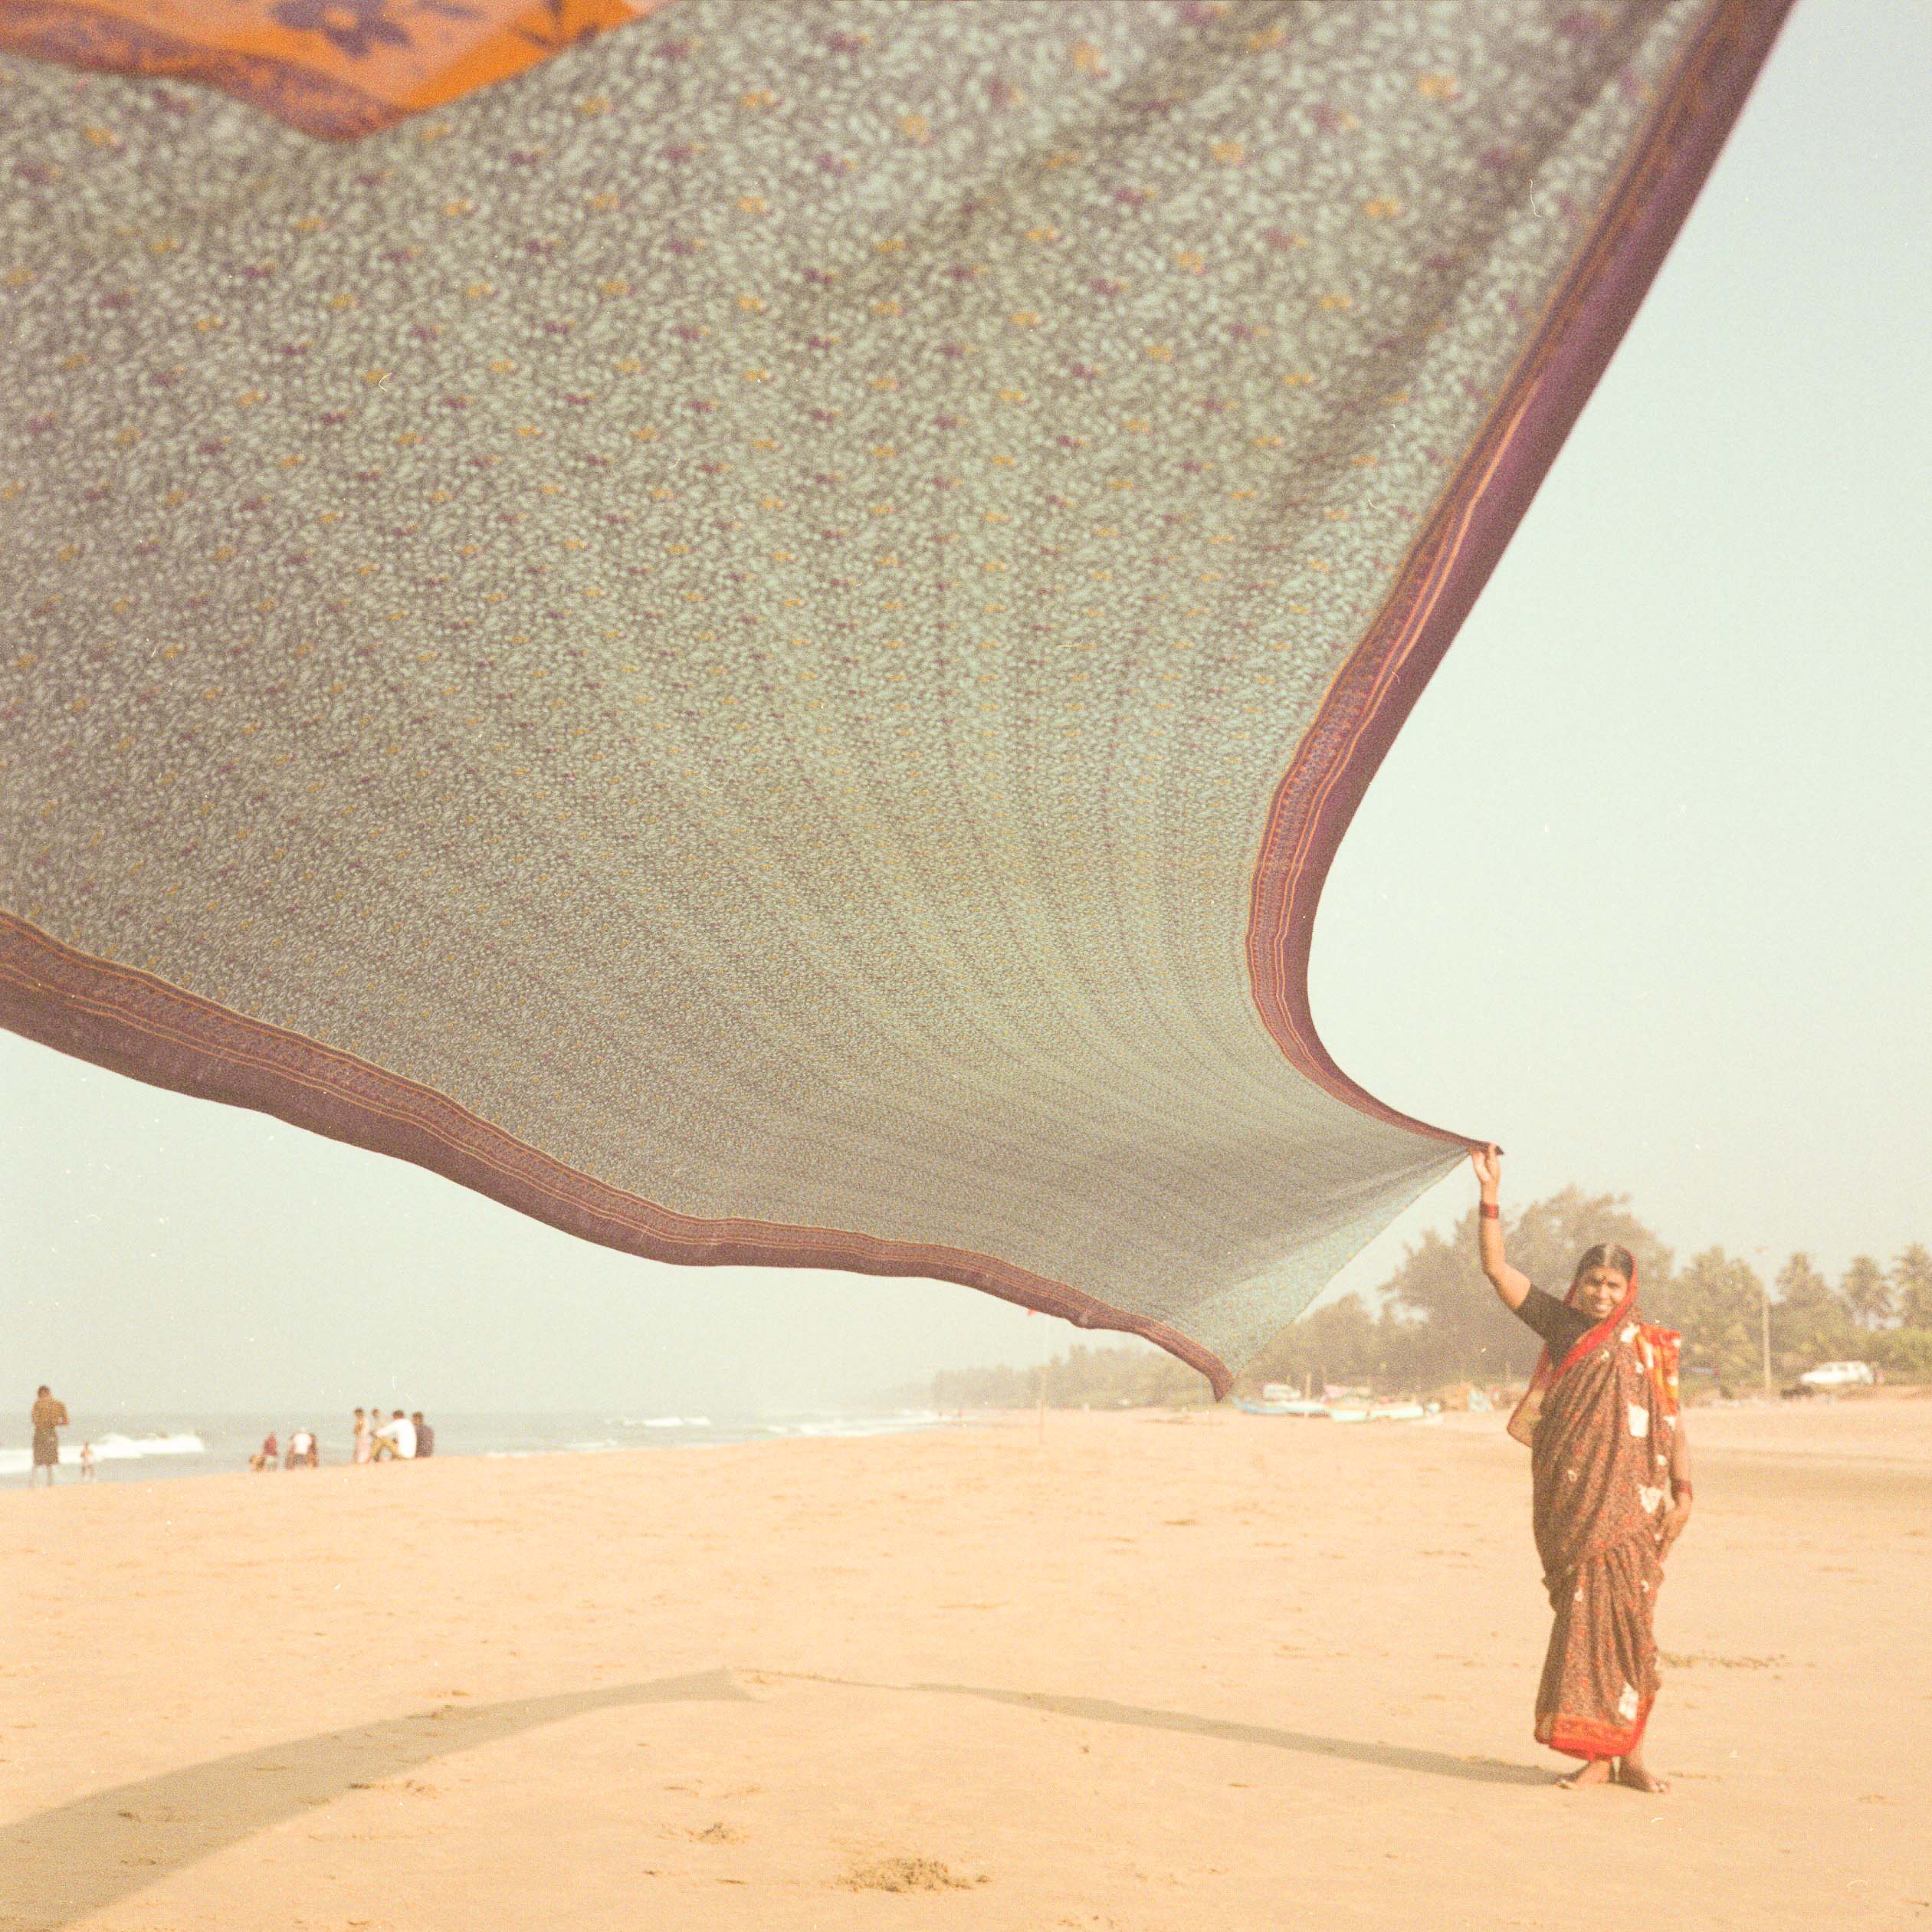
(1642, 892)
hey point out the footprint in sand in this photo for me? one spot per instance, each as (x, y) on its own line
(907, 1874)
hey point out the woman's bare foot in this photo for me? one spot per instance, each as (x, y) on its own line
(1630, 1771)
(1595, 1770)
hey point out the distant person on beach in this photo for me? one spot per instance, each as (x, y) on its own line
(425, 1436)
(365, 1437)
(87, 1459)
(396, 1441)
(269, 1456)
(1606, 1444)
(301, 1452)
(50, 1417)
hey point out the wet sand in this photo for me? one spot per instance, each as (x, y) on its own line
(1216, 1671)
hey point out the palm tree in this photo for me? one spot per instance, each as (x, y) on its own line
(1866, 1292)
(1911, 1280)
(1805, 1315)
(1718, 1302)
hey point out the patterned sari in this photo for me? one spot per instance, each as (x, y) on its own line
(1599, 1424)
(754, 632)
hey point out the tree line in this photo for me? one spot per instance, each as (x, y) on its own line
(1435, 1322)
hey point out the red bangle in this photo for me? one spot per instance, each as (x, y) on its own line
(1491, 1212)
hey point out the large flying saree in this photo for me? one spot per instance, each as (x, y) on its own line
(753, 629)
(1599, 1422)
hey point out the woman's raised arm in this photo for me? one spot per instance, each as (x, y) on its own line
(1511, 1284)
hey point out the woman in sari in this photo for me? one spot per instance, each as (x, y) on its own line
(1611, 1474)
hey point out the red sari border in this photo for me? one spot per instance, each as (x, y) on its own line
(136, 1024)
(1584, 1737)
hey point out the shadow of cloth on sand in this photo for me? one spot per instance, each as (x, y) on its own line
(60, 1865)
(1393, 1757)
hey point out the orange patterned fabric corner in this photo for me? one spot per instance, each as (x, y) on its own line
(339, 68)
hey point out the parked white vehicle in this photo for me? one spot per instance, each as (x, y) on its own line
(1839, 1375)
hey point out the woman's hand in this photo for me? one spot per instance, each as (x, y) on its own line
(1488, 1163)
(1672, 1527)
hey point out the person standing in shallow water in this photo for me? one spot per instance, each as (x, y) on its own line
(1611, 1479)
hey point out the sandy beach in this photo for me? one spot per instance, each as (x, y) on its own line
(1207, 1670)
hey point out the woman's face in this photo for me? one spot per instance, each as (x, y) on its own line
(1598, 1290)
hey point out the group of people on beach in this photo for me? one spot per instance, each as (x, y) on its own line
(402, 1439)
(302, 1452)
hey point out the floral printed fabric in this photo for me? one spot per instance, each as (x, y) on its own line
(1600, 1459)
(757, 639)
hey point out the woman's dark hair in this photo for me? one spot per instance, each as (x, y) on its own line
(1607, 1253)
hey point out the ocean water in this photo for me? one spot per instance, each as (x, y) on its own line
(131, 1447)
